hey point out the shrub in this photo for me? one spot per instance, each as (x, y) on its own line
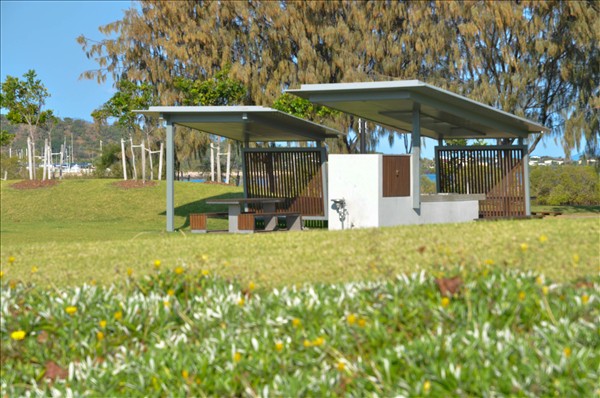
(12, 167)
(565, 185)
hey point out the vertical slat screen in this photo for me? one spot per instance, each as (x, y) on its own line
(496, 171)
(295, 175)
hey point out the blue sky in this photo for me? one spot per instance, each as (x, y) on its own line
(41, 35)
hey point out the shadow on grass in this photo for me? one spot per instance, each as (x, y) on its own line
(200, 206)
(567, 209)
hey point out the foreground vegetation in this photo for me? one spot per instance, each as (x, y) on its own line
(96, 300)
(184, 333)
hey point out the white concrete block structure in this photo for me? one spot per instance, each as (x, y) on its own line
(358, 180)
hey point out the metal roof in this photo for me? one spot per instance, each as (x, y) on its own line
(256, 123)
(443, 114)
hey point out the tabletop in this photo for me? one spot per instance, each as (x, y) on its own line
(235, 201)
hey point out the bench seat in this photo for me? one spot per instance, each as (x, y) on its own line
(198, 221)
(246, 221)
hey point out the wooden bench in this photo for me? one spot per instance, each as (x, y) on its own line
(247, 221)
(198, 221)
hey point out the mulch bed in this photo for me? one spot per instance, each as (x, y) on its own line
(131, 184)
(34, 184)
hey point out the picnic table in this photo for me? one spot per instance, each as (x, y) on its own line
(241, 220)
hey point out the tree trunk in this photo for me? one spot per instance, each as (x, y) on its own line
(133, 159)
(160, 161)
(219, 160)
(124, 159)
(212, 163)
(228, 172)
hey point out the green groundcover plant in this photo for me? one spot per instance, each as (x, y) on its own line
(178, 332)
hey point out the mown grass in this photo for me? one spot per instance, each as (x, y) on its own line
(109, 230)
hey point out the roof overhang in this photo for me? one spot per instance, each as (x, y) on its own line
(443, 114)
(241, 123)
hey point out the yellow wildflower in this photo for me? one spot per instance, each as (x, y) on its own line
(171, 292)
(251, 286)
(237, 357)
(362, 322)
(11, 259)
(34, 269)
(185, 374)
(100, 336)
(445, 302)
(296, 322)
(307, 343)
(102, 324)
(129, 271)
(351, 319)
(524, 247)
(489, 261)
(1, 274)
(205, 272)
(204, 258)
(17, 335)
(585, 298)
(539, 280)
(545, 290)
(179, 270)
(567, 352)
(166, 303)
(156, 263)
(341, 366)
(426, 386)
(71, 310)
(575, 258)
(319, 341)
(118, 315)
(279, 346)
(241, 302)
(521, 296)
(543, 238)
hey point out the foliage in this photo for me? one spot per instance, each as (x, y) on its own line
(12, 167)
(427, 186)
(534, 59)
(565, 185)
(109, 163)
(185, 333)
(129, 97)
(25, 99)
(218, 90)
(6, 138)
(86, 224)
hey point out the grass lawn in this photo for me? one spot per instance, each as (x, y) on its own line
(97, 299)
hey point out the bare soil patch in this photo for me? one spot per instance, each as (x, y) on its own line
(34, 184)
(133, 184)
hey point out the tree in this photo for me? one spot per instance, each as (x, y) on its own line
(534, 59)
(25, 100)
(218, 90)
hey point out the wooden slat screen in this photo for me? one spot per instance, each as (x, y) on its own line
(496, 171)
(294, 174)
(396, 176)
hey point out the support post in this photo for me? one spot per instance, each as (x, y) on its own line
(170, 176)
(228, 170)
(133, 159)
(415, 159)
